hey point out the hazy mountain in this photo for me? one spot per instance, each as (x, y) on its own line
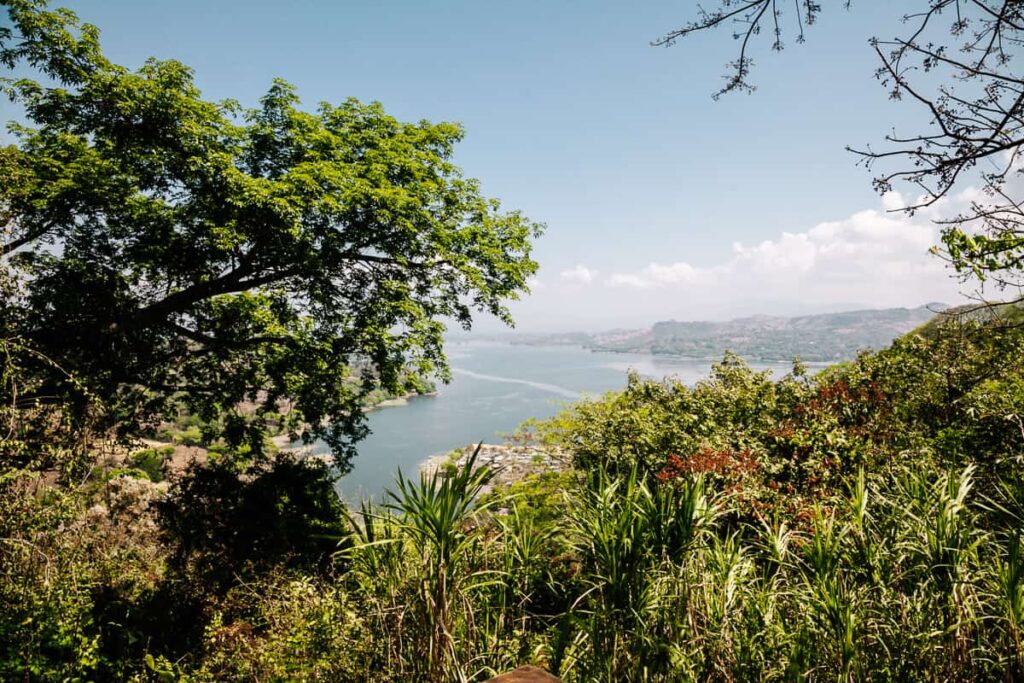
(823, 337)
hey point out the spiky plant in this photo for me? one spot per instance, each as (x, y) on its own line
(435, 513)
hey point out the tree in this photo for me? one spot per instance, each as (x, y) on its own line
(957, 60)
(168, 248)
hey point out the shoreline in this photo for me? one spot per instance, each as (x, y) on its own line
(399, 401)
(674, 356)
(510, 463)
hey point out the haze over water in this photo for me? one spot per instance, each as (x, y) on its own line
(495, 387)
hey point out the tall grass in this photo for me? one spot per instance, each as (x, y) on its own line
(910, 576)
(416, 557)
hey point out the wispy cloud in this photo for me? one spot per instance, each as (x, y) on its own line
(580, 275)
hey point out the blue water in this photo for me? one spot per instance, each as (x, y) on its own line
(495, 388)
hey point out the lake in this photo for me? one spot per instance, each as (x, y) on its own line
(495, 387)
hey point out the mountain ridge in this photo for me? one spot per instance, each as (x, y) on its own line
(822, 337)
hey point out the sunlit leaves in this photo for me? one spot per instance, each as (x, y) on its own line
(203, 251)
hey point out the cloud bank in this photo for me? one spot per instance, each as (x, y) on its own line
(867, 255)
(873, 258)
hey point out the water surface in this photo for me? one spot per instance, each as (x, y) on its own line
(495, 387)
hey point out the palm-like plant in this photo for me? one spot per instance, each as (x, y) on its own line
(435, 514)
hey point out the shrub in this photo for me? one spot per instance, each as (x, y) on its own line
(224, 524)
(152, 460)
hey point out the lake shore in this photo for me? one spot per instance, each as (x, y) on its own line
(510, 463)
(495, 388)
(399, 401)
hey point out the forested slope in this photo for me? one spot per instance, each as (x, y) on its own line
(860, 524)
(824, 337)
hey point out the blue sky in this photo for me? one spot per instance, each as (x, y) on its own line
(660, 202)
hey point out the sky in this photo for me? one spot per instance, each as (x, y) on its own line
(660, 202)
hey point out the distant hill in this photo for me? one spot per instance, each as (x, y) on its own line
(991, 313)
(816, 338)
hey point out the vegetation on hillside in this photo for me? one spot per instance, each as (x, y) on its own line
(860, 524)
(826, 337)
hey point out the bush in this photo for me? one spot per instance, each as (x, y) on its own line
(76, 575)
(286, 627)
(224, 524)
(193, 436)
(152, 461)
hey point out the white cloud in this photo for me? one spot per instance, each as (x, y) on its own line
(580, 275)
(679, 273)
(875, 257)
(658, 275)
(624, 280)
(893, 201)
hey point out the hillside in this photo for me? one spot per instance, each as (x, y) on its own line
(992, 313)
(826, 337)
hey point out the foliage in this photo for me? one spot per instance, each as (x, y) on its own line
(225, 524)
(167, 249)
(952, 396)
(151, 461)
(862, 524)
(430, 520)
(78, 574)
(38, 432)
(277, 267)
(285, 626)
(648, 420)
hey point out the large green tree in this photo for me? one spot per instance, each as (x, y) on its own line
(164, 248)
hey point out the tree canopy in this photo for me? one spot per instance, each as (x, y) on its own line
(160, 247)
(957, 60)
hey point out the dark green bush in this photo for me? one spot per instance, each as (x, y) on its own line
(224, 524)
(152, 460)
